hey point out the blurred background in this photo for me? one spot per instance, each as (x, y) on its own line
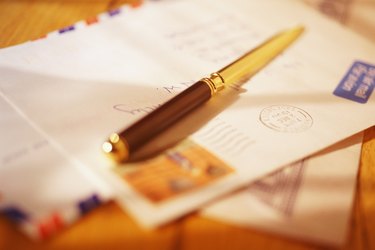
(359, 15)
(20, 20)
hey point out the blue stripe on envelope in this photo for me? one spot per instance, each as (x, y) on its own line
(15, 214)
(89, 204)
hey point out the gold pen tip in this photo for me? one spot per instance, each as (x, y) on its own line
(298, 30)
(116, 148)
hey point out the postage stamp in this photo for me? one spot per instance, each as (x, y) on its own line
(183, 169)
(286, 118)
(358, 83)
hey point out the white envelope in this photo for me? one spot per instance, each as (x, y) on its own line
(310, 200)
(42, 190)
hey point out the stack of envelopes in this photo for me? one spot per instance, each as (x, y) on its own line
(289, 137)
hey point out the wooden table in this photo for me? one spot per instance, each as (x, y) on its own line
(108, 227)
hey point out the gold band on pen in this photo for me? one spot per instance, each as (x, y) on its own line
(215, 82)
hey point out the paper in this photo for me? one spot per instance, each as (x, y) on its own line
(81, 87)
(310, 200)
(41, 190)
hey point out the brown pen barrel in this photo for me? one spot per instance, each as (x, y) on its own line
(141, 132)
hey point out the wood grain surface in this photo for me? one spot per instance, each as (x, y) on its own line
(108, 227)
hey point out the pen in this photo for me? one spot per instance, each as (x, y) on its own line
(121, 145)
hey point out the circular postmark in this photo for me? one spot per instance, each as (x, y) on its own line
(285, 118)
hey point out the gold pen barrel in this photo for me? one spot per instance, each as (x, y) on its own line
(248, 64)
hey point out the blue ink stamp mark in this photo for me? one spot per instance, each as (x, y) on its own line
(358, 83)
